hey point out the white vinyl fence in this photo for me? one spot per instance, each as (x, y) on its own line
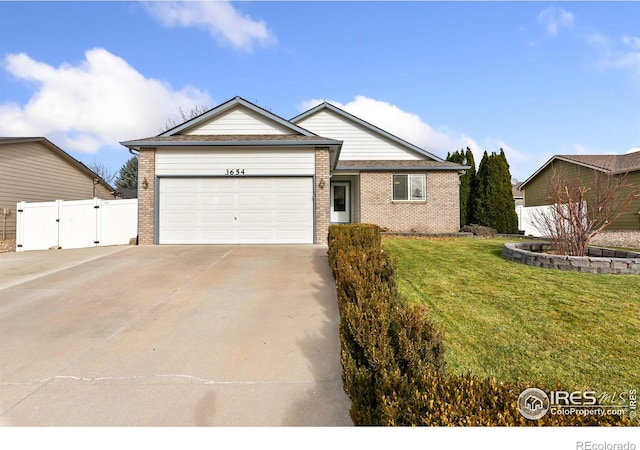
(75, 224)
(526, 219)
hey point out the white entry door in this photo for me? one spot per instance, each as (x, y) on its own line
(340, 202)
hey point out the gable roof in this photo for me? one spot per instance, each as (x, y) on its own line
(224, 140)
(228, 105)
(58, 151)
(609, 164)
(328, 106)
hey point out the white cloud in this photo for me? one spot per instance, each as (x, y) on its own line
(412, 128)
(224, 23)
(631, 41)
(623, 54)
(553, 18)
(405, 125)
(98, 102)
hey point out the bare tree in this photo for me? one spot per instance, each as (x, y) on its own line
(581, 209)
(181, 115)
(103, 171)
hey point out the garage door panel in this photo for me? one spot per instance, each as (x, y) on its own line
(213, 236)
(180, 218)
(260, 202)
(219, 200)
(292, 201)
(235, 210)
(215, 219)
(255, 219)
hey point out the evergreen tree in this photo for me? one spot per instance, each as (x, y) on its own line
(495, 207)
(128, 175)
(467, 182)
(506, 217)
(480, 215)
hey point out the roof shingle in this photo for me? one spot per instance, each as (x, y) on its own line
(399, 164)
(608, 163)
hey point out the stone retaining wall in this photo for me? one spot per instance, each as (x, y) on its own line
(599, 260)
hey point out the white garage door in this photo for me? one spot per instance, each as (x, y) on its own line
(236, 210)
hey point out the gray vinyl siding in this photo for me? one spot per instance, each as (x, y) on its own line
(32, 172)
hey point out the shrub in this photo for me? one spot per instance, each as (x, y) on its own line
(479, 230)
(362, 236)
(437, 399)
(393, 357)
(383, 341)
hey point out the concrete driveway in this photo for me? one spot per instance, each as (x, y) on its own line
(170, 336)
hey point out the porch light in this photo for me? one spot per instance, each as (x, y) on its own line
(145, 183)
(321, 184)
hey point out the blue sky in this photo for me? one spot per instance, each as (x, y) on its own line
(534, 78)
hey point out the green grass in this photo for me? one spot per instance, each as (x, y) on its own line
(513, 321)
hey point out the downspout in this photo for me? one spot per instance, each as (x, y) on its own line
(137, 155)
(460, 174)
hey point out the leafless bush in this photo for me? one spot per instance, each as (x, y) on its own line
(182, 115)
(580, 209)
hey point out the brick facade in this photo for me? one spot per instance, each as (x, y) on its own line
(438, 214)
(322, 195)
(147, 196)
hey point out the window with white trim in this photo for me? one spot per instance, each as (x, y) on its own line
(409, 187)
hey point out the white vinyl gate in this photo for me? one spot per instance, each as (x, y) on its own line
(76, 223)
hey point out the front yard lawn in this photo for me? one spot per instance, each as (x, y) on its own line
(513, 321)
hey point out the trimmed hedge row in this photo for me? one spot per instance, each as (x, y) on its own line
(393, 357)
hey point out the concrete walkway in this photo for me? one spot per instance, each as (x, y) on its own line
(170, 336)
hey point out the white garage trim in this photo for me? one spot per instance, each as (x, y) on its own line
(235, 210)
(186, 161)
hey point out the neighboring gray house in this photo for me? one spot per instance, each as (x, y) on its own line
(241, 174)
(33, 169)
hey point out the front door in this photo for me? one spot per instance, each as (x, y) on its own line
(340, 202)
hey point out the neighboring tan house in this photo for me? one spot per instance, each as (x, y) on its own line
(33, 169)
(584, 166)
(518, 194)
(241, 174)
